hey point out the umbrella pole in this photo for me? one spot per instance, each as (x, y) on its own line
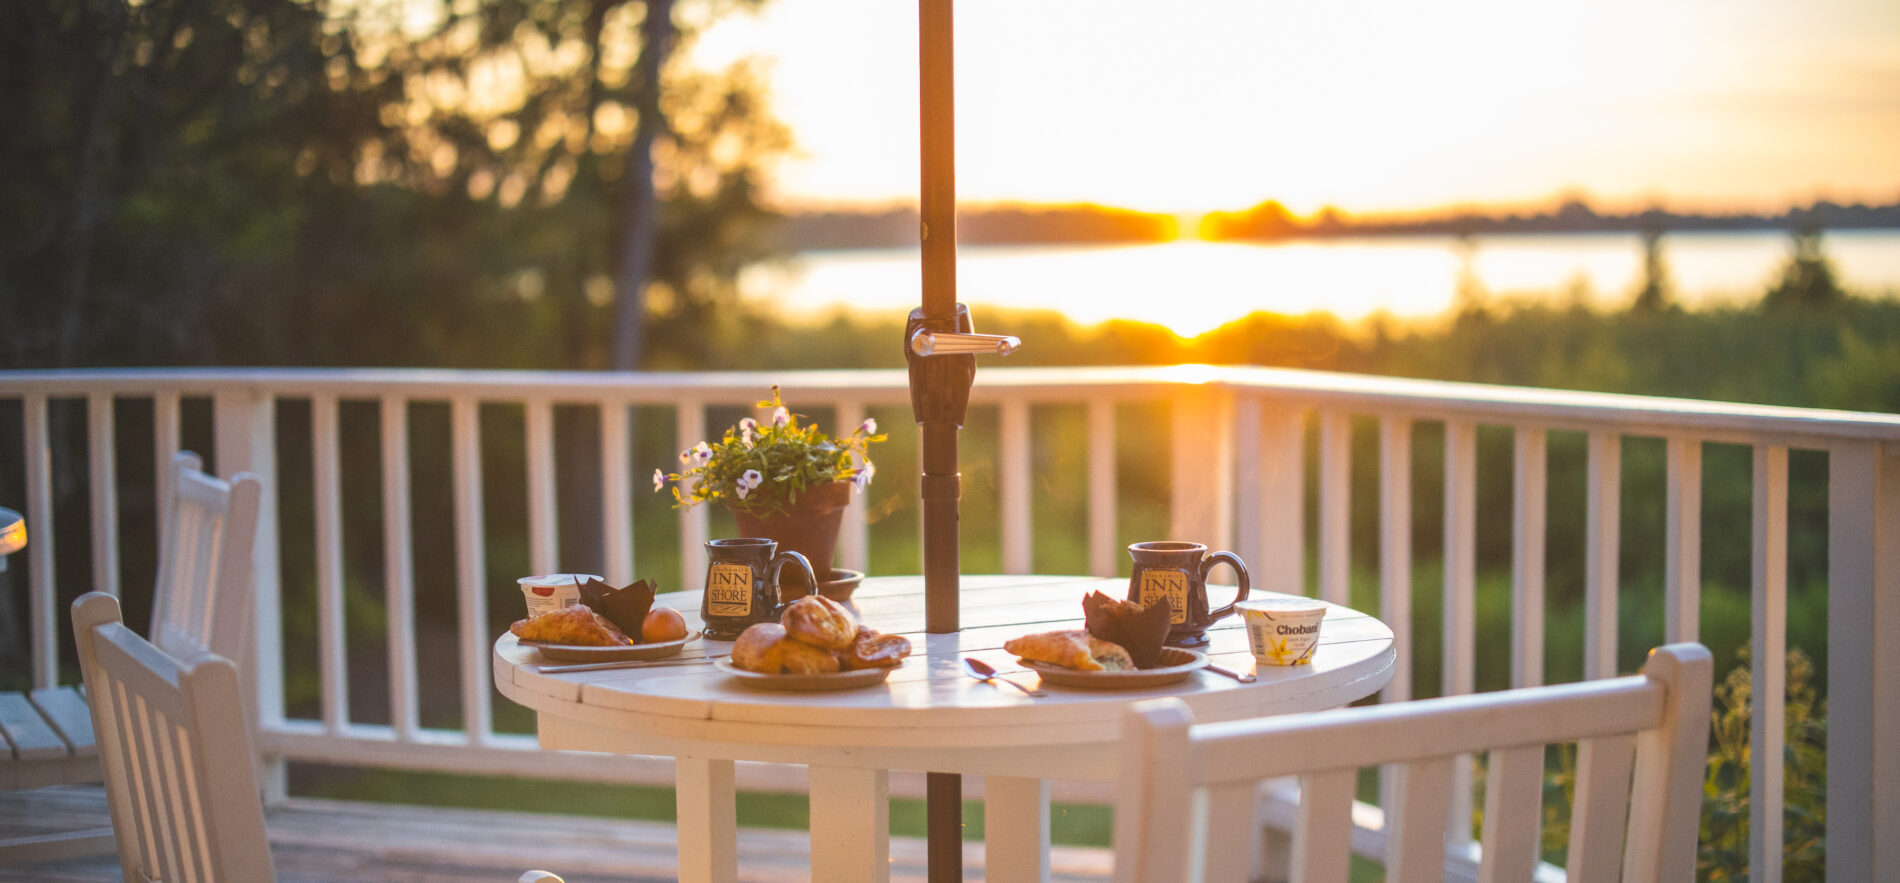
(941, 482)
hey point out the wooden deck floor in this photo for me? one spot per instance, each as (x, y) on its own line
(326, 841)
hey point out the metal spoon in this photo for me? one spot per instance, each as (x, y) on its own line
(1247, 678)
(982, 671)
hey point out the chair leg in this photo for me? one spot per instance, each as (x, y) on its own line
(52, 847)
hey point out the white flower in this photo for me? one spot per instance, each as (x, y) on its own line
(781, 416)
(659, 479)
(869, 426)
(748, 429)
(748, 481)
(686, 456)
(702, 452)
(862, 479)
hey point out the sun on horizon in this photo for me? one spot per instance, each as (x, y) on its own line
(1221, 104)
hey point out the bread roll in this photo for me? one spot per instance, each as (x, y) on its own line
(821, 622)
(767, 649)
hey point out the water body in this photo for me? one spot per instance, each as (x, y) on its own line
(1193, 286)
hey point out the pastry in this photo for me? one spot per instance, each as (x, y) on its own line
(1074, 649)
(821, 622)
(766, 648)
(626, 608)
(874, 649)
(1140, 630)
(577, 624)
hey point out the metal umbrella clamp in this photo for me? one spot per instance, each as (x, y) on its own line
(940, 350)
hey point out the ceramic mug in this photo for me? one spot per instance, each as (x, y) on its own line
(1178, 572)
(742, 584)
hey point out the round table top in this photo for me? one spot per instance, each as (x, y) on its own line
(928, 714)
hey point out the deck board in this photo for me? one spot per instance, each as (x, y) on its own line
(332, 841)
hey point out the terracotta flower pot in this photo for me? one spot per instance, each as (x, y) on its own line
(809, 527)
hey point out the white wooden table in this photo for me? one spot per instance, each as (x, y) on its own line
(928, 716)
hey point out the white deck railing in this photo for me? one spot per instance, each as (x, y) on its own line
(1237, 478)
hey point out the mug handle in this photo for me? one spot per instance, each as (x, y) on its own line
(777, 568)
(1240, 567)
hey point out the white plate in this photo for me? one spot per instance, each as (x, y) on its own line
(841, 680)
(616, 653)
(1181, 664)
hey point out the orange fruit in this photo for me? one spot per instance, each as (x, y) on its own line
(662, 624)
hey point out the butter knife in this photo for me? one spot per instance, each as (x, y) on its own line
(623, 663)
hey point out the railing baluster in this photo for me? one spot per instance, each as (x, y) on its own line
(1250, 480)
(854, 541)
(689, 430)
(1395, 599)
(165, 443)
(1529, 500)
(616, 493)
(544, 553)
(103, 489)
(1601, 550)
(1863, 654)
(1282, 490)
(1016, 484)
(1682, 562)
(1335, 506)
(1460, 603)
(327, 485)
(1200, 469)
(1103, 502)
(39, 548)
(1769, 675)
(399, 568)
(1395, 549)
(471, 569)
(244, 439)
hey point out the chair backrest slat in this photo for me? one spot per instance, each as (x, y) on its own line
(1643, 733)
(1415, 821)
(168, 731)
(1513, 817)
(1322, 835)
(1229, 817)
(1600, 809)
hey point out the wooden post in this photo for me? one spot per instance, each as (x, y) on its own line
(1863, 629)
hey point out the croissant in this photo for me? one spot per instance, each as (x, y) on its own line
(765, 648)
(821, 622)
(874, 649)
(1075, 648)
(577, 624)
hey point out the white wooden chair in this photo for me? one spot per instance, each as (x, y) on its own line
(168, 731)
(203, 597)
(1184, 805)
(202, 600)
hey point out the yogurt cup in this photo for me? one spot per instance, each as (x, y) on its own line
(546, 594)
(1282, 631)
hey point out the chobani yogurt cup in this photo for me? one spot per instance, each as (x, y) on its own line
(546, 594)
(1284, 630)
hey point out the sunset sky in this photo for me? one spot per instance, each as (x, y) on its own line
(1220, 104)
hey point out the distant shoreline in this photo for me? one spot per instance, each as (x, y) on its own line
(1272, 222)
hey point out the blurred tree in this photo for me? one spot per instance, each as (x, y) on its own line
(1654, 296)
(628, 179)
(1808, 280)
(159, 161)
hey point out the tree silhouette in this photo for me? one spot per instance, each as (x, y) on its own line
(1654, 296)
(1807, 281)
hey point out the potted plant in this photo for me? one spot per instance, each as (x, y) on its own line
(784, 479)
